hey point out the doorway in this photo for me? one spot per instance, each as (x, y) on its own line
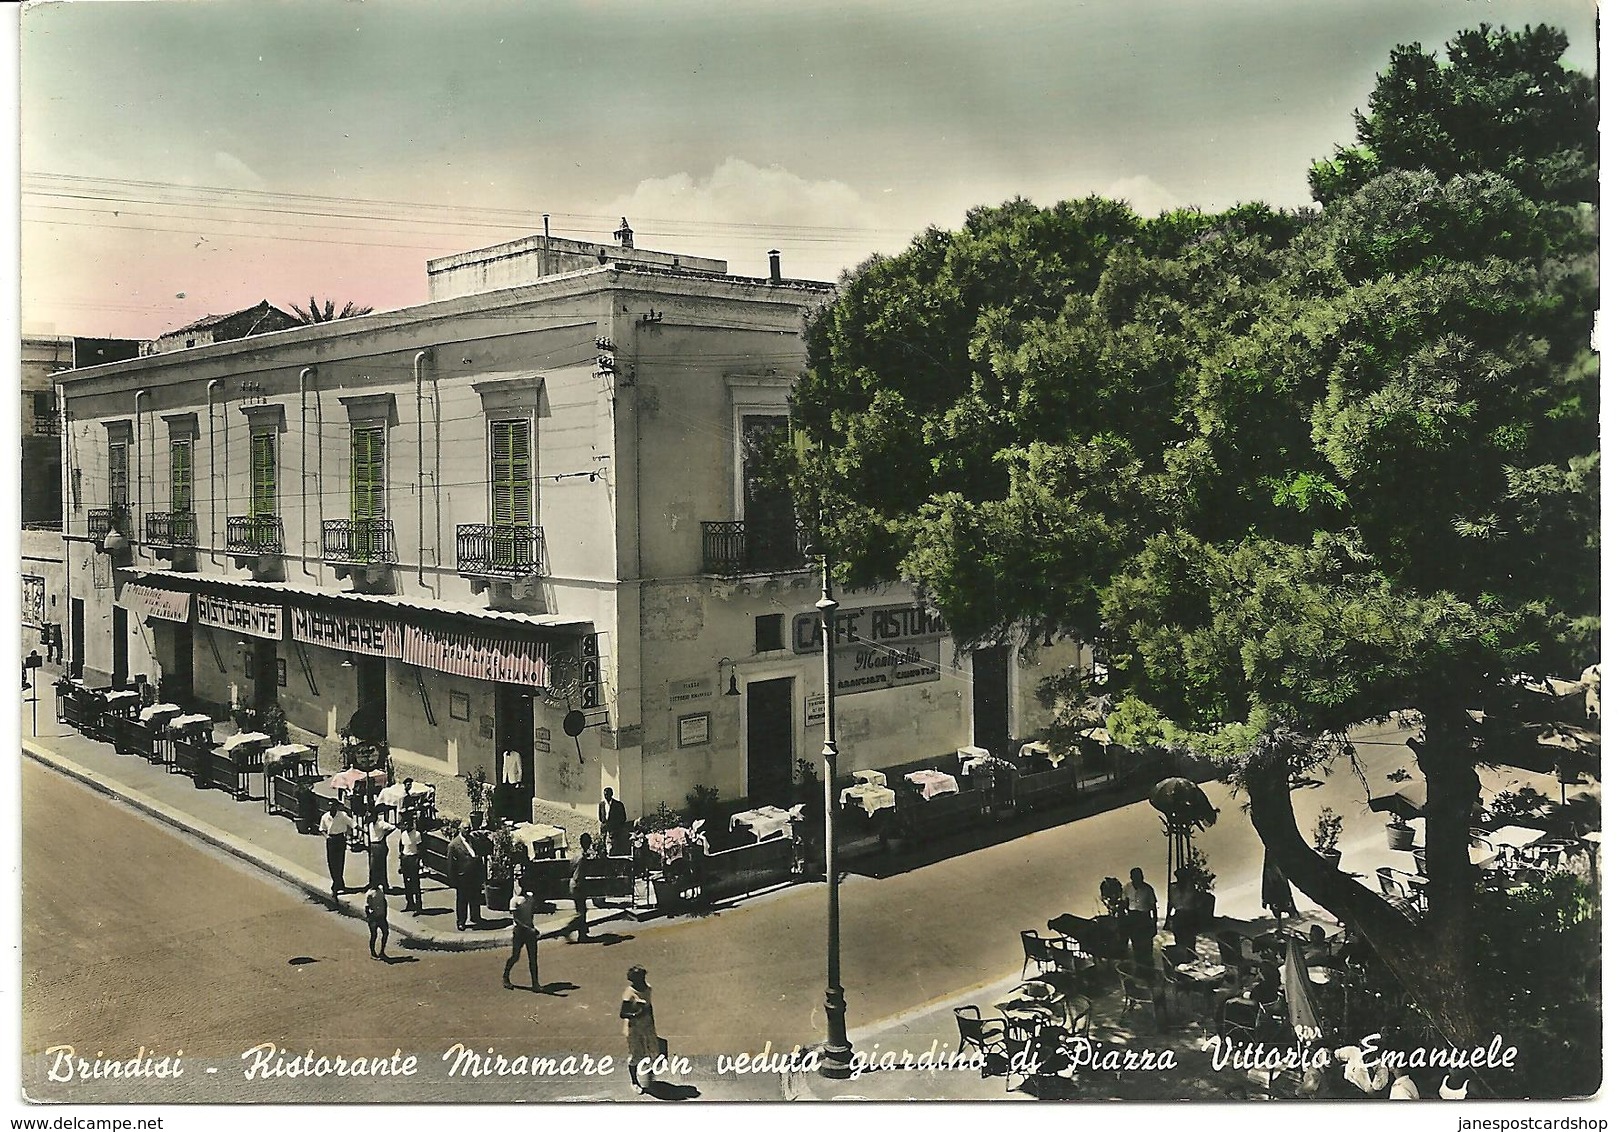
(177, 680)
(992, 699)
(75, 632)
(514, 734)
(120, 646)
(265, 675)
(770, 740)
(371, 694)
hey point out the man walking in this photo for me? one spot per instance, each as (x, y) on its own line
(376, 920)
(1141, 917)
(410, 864)
(576, 886)
(335, 826)
(615, 824)
(524, 935)
(376, 841)
(466, 877)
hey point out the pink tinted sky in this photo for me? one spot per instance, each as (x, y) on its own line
(188, 158)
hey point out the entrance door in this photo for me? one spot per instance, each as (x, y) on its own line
(992, 700)
(120, 646)
(514, 731)
(75, 617)
(770, 740)
(265, 681)
(371, 692)
(177, 681)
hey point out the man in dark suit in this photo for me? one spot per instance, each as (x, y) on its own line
(466, 877)
(576, 886)
(615, 824)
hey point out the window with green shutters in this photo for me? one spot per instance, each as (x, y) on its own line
(180, 476)
(511, 480)
(368, 490)
(263, 501)
(118, 475)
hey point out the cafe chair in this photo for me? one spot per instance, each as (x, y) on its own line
(1034, 1049)
(1420, 857)
(1079, 1009)
(1072, 969)
(1180, 982)
(1036, 951)
(985, 1036)
(1237, 963)
(1238, 1019)
(1135, 987)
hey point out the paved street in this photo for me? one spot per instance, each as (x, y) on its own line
(135, 935)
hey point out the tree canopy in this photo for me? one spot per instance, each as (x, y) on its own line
(1286, 471)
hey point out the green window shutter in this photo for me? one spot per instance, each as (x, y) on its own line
(264, 485)
(367, 492)
(180, 476)
(118, 475)
(511, 483)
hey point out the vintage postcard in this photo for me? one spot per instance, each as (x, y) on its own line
(937, 552)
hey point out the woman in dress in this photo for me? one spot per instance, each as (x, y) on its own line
(639, 1026)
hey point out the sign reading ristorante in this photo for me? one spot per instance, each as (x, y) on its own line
(240, 616)
(874, 624)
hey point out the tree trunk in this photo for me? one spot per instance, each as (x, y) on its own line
(1431, 959)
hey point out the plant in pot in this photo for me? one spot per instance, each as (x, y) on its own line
(477, 785)
(1198, 872)
(497, 887)
(1402, 835)
(1329, 827)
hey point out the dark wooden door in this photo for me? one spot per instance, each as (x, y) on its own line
(371, 690)
(992, 700)
(770, 740)
(75, 617)
(177, 681)
(120, 646)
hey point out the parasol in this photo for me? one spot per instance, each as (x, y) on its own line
(1183, 803)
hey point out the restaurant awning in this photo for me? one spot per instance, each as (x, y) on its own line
(147, 601)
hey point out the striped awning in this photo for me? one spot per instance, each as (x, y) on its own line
(165, 605)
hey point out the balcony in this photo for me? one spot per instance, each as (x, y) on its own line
(738, 547)
(366, 543)
(513, 554)
(103, 520)
(170, 531)
(248, 535)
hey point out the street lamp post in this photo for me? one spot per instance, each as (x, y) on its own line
(837, 1054)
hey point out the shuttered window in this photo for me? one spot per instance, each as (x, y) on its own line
(368, 490)
(118, 475)
(180, 476)
(511, 479)
(263, 505)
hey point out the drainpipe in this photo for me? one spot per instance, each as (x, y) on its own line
(303, 458)
(215, 479)
(438, 486)
(140, 470)
(421, 476)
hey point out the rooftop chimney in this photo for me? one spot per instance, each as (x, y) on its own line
(775, 266)
(626, 238)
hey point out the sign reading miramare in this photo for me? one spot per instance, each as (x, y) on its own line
(460, 654)
(879, 646)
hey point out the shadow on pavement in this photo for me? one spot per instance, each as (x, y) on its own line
(557, 989)
(665, 1091)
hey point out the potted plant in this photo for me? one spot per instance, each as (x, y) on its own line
(477, 784)
(497, 886)
(1197, 871)
(1402, 835)
(1328, 828)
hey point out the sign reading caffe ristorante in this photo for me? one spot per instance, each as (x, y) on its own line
(878, 646)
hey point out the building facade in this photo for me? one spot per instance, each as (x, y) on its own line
(529, 503)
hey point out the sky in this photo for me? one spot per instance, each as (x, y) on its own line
(187, 157)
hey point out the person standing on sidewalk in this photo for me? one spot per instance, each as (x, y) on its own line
(466, 877)
(376, 919)
(576, 887)
(1141, 922)
(524, 935)
(335, 826)
(376, 842)
(410, 864)
(640, 1029)
(614, 821)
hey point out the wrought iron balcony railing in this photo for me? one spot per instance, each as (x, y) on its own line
(485, 550)
(362, 542)
(171, 528)
(738, 547)
(105, 519)
(253, 534)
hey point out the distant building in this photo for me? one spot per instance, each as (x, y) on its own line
(262, 319)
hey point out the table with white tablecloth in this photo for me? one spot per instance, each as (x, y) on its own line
(540, 840)
(764, 822)
(868, 797)
(932, 783)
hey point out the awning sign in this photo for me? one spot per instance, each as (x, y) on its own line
(464, 654)
(240, 617)
(165, 605)
(349, 634)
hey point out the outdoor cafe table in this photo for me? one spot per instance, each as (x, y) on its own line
(1205, 974)
(971, 758)
(868, 796)
(1039, 750)
(345, 782)
(932, 783)
(393, 797)
(159, 714)
(1516, 836)
(764, 822)
(871, 777)
(245, 738)
(534, 837)
(669, 844)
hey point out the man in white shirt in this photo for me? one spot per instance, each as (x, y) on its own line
(1141, 917)
(335, 826)
(410, 864)
(376, 840)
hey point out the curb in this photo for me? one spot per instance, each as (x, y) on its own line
(236, 847)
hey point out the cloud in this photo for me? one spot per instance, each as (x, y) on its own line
(236, 171)
(1145, 195)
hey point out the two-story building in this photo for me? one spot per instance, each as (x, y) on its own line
(531, 496)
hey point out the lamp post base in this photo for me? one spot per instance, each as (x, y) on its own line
(837, 1055)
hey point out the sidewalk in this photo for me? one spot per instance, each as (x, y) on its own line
(269, 842)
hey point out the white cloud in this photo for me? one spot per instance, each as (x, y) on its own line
(1145, 195)
(237, 172)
